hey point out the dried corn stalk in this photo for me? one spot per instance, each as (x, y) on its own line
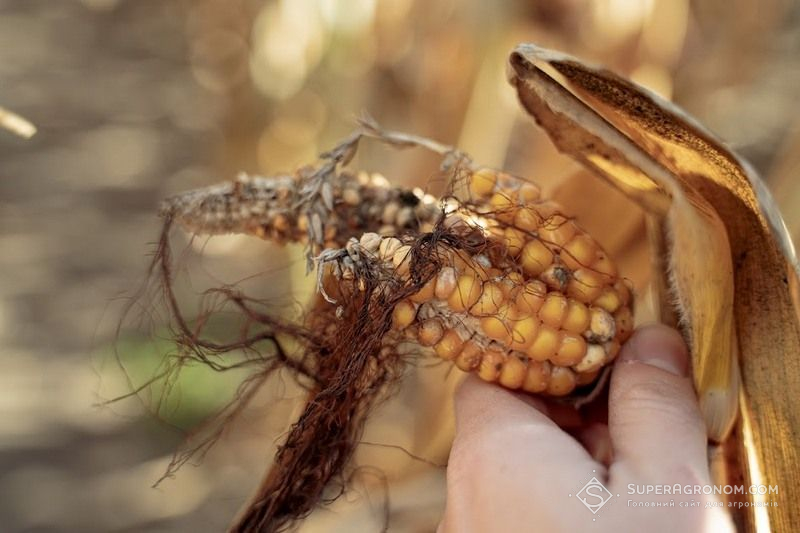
(728, 261)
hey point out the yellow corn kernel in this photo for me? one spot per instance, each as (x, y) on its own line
(514, 240)
(527, 219)
(445, 283)
(609, 300)
(530, 299)
(545, 344)
(403, 314)
(489, 301)
(466, 294)
(562, 381)
(624, 323)
(612, 349)
(482, 182)
(514, 372)
(558, 230)
(605, 266)
(402, 260)
(602, 327)
(580, 251)
(491, 365)
(523, 333)
(470, 356)
(547, 210)
(535, 257)
(621, 286)
(577, 317)
(553, 310)
(594, 359)
(570, 351)
(495, 328)
(449, 345)
(584, 378)
(504, 205)
(538, 376)
(528, 192)
(585, 285)
(430, 332)
(426, 293)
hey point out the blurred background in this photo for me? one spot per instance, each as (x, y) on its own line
(138, 99)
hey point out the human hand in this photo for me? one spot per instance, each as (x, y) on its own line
(513, 469)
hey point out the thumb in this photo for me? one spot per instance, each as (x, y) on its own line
(654, 420)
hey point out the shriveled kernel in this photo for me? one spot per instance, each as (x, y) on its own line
(467, 293)
(527, 219)
(545, 344)
(602, 327)
(513, 373)
(609, 300)
(528, 192)
(580, 251)
(482, 182)
(535, 257)
(445, 283)
(558, 230)
(570, 351)
(280, 223)
(403, 314)
(430, 332)
(538, 376)
(577, 318)
(523, 333)
(425, 294)
(495, 328)
(491, 365)
(585, 285)
(562, 381)
(351, 196)
(449, 345)
(489, 301)
(557, 277)
(554, 309)
(594, 359)
(624, 323)
(470, 356)
(531, 297)
(388, 247)
(370, 241)
(402, 260)
(389, 215)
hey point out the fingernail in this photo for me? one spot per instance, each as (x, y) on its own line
(659, 346)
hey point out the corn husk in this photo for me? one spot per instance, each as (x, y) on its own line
(724, 255)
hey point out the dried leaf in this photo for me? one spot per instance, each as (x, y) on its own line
(731, 261)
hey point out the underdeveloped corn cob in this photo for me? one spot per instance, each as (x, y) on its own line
(533, 302)
(300, 208)
(539, 307)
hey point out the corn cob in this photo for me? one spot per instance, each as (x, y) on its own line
(538, 307)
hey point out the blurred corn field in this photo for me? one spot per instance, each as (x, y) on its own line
(135, 100)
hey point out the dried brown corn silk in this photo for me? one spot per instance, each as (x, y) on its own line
(493, 278)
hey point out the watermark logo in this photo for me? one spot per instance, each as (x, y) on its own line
(594, 495)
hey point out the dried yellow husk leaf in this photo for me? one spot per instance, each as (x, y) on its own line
(732, 269)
